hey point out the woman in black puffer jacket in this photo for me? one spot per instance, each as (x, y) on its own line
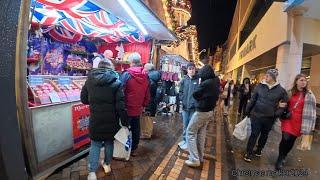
(103, 92)
(263, 109)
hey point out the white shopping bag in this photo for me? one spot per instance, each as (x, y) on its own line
(242, 129)
(122, 144)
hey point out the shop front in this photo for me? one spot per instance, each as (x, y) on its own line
(286, 40)
(55, 52)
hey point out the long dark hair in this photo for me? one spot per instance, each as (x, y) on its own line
(294, 88)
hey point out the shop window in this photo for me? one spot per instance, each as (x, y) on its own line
(258, 11)
(233, 49)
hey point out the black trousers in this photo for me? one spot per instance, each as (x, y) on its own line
(135, 129)
(242, 105)
(286, 144)
(259, 127)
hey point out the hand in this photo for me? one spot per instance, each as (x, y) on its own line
(282, 104)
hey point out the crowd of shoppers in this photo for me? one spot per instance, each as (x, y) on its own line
(132, 99)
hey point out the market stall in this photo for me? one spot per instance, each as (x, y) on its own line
(61, 41)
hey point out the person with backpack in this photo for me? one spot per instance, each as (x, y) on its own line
(151, 109)
(103, 93)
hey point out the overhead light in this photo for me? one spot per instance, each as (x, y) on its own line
(125, 5)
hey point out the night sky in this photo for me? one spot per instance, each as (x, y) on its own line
(213, 20)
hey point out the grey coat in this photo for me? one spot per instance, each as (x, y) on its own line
(187, 87)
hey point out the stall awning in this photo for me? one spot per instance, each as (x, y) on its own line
(155, 27)
(108, 20)
(174, 57)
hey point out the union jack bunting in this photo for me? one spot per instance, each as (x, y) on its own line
(63, 35)
(83, 17)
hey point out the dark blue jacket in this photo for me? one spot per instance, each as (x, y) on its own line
(187, 87)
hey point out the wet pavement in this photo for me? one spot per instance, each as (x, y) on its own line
(161, 158)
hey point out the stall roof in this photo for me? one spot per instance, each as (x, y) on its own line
(175, 57)
(154, 26)
(108, 20)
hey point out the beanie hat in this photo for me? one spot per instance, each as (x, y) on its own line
(191, 64)
(273, 73)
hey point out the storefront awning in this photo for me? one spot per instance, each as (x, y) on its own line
(112, 20)
(154, 26)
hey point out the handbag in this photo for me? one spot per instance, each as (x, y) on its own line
(305, 143)
(287, 113)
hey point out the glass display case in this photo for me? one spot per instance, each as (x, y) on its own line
(48, 89)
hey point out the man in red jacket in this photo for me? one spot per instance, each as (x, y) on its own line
(137, 95)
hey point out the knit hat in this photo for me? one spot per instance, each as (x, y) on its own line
(273, 73)
(190, 64)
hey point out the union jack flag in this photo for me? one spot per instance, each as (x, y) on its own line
(82, 17)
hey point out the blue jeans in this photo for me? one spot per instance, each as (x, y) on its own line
(186, 116)
(94, 154)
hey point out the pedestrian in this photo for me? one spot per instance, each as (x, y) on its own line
(244, 95)
(263, 110)
(150, 111)
(206, 96)
(107, 54)
(136, 89)
(104, 94)
(302, 107)
(227, 96)
(187, 86)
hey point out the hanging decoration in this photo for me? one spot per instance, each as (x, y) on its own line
(84, 18)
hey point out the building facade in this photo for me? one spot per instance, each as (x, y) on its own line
(266, 34)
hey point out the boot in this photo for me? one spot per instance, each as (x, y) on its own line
(279, 163)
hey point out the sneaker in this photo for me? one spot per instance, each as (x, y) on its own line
(106, 168)
(257, 153)
(134, 153)
(192, 163)
(92, 176)
(184, 147)
(181, 143)
(144, 137)
(247, 158)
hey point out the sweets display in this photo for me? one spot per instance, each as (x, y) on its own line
(55, 89)
(77, 62)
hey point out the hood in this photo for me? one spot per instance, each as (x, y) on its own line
(138, 74)
(154, 75)
(270, 86)
(102, 77)
(206, 72)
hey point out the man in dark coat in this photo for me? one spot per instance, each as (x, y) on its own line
(187, 86)
(104, 94)
(263, 109)
(151, 109)
(206, 96)
(137, 95)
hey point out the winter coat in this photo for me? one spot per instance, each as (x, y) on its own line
(242, 94)
(154, 78)
(103, 92)
(187, 87)
(207, 93)
(228, 95)
(136, 89)
(264, 102)
(303, 118)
